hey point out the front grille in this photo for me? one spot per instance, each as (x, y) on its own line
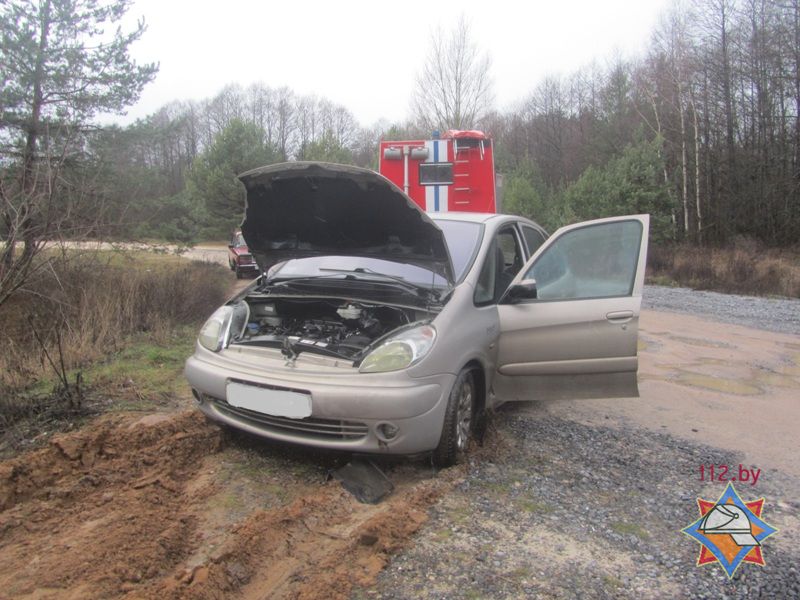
(327, 429)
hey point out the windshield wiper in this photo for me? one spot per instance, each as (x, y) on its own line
(415, 287)
(290, 280)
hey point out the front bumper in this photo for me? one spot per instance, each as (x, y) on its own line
(350, 411)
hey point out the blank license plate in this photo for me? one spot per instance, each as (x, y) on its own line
(278, 403)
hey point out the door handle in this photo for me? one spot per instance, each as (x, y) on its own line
(620, 316)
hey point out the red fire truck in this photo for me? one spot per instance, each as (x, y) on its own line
(454, 172)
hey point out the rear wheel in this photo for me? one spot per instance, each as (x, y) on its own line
(459, 421)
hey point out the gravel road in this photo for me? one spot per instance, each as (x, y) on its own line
(563, 510)
(556, 507)
(771, 314)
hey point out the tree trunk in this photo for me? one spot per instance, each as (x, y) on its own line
(29, 166)
(684, 166)
(698, 208)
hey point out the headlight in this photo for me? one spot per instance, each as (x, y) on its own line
(400, 351)
(225, 321)
(213, 333)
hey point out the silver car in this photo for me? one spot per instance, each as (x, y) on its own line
(375, 327)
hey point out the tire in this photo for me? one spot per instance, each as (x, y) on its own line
(238, 272)
(459, 421)
(231, 265)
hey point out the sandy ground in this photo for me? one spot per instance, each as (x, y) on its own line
(730, 387)
(209, 253)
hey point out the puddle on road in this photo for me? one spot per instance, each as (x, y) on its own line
(700, 342)
(794, 368)
(737, 387)
(777, 380)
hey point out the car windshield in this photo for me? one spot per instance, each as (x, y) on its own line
(462, 240)
(238, 240)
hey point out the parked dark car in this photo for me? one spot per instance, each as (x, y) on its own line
(239, 258)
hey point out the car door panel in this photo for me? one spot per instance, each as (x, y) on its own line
(570, 344)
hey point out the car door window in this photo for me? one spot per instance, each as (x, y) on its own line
(596, 261)
(484, 288)
(503, 261)
(533, 238)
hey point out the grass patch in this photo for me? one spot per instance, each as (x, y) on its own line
(460, 514)
(501, 488)
(623, 528)
(254, 466)
(444, 534)
(151, 370)
(98, 330)
(521, 573)
(531, 506)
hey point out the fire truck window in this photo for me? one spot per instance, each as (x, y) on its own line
(435, 173)
(533, 238)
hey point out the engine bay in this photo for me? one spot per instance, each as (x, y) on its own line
(331, 327)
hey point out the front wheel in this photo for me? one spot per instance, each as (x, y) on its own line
(458, 421)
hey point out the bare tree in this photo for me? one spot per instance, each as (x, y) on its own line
(454, 88)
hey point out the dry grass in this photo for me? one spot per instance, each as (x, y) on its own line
(744, 267)
(94, 303)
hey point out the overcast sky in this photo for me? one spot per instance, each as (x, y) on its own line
(365, 55)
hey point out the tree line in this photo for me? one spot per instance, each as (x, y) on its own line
(711, 112)
(180, 163)
(701, 131)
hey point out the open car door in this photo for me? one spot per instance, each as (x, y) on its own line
(569, 320)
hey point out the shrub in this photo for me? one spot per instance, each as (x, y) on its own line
(743, 267)
(93, 302)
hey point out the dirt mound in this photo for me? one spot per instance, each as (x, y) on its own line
(158, 447)
(100, 509)
(121, 509)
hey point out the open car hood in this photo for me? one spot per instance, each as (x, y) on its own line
(302, 209)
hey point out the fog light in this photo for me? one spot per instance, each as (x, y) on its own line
(386, 431)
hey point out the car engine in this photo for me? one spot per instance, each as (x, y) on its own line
(330, 327)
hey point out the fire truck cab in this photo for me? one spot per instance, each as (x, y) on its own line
(454, 172)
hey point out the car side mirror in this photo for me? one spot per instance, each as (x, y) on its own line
(524, 291)
(230, 246)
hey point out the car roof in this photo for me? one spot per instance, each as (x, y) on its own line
(473, 217)
(476, 217)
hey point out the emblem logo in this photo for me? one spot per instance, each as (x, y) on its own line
(730, 531)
